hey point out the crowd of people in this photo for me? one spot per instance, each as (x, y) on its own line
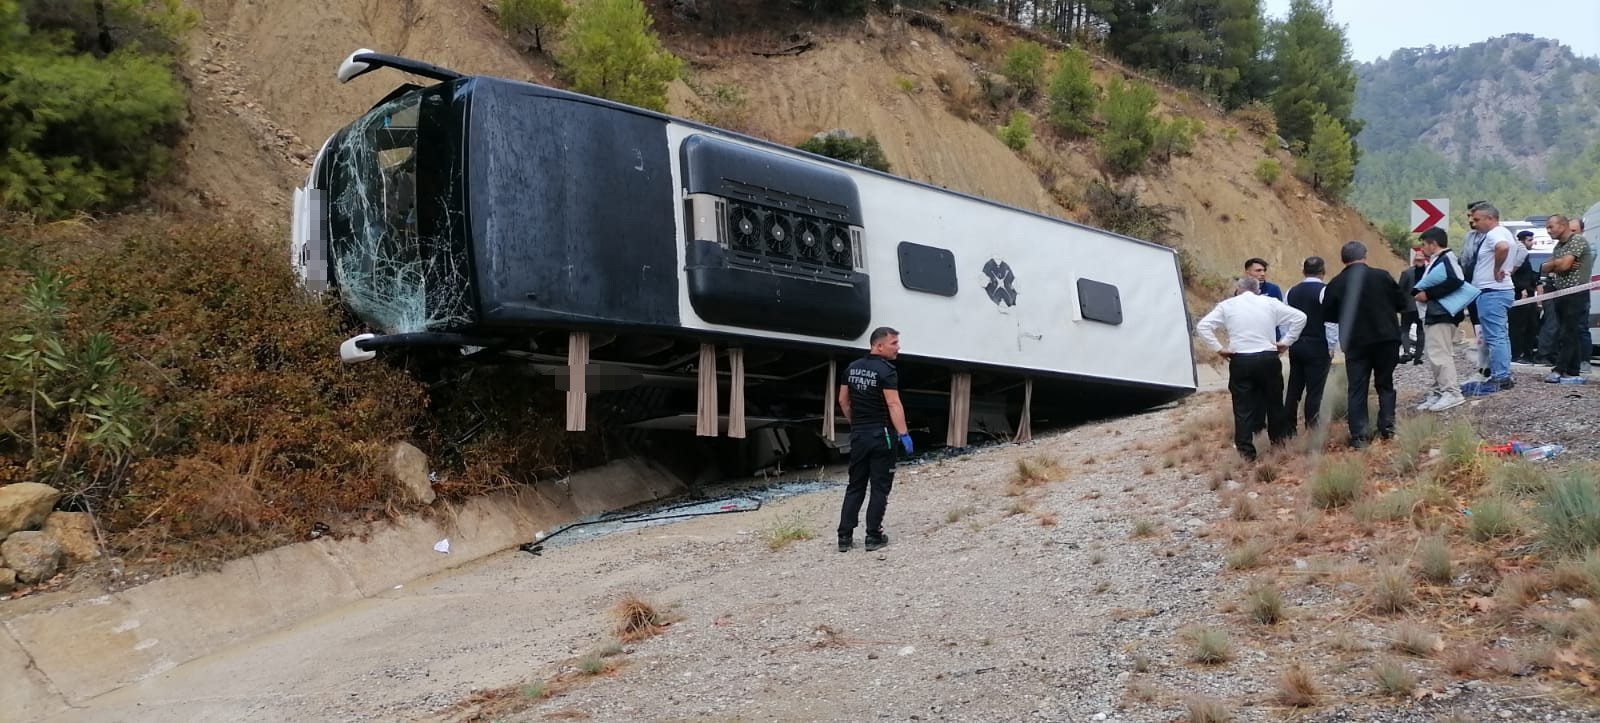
(1520, 315)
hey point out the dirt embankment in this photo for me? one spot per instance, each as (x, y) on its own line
(266, 98)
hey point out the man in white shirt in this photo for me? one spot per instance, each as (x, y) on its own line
(1498, 254)
(1255, 375)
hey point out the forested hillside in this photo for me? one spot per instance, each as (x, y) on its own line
(1511, 119)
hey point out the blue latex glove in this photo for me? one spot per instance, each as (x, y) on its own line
(905, 439)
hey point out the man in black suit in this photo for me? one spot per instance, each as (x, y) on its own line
(1311, 356)
(1367, 304)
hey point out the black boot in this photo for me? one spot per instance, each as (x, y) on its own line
(876, 540)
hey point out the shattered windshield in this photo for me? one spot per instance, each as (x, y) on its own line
(391, 223)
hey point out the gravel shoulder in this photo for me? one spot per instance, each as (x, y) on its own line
(985, 606)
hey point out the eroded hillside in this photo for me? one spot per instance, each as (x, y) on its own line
(266, 96)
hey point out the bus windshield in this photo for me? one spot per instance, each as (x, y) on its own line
(387, 266)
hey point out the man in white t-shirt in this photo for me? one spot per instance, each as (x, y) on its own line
(1498, 254)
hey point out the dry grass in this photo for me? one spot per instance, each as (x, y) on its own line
(1515, 591)
(1434, 555)
(1394, 679)
(1462, 660)
(1035, 471)
(1208, 645)
(1265, 604)
(1519, 478)
(1206, 710)
(637, 619)
(955, 515)
(1338, 481)
(1296, 687)
(1141, 663)
(1143, 528)
(1247, 555)
(1581, 576)
(1464, 462)
(1413, 639)
(1412, 439)
(1244, 509)
(1391, 591)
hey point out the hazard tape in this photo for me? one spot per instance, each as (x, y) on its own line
(1595, 284)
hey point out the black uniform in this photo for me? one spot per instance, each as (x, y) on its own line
(872, 440)
(1309, 358)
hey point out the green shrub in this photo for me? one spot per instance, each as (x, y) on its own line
(1017, 132)
(1268, 171)
(612, 53)
(850, 149)
(1024, 67)
(1130, 132)
(1519, 477)
(1073, 94)
(1176, 136)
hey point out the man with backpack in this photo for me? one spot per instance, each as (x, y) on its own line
(1441, 296)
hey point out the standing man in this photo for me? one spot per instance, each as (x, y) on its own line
(1569, 263)
(1411, 347)
(1257, 269)
(1311, 356)
(1367, 303)
(1442, 295)
(1255, 376)
(1497, 256)
(870, 398)
(1524, 319)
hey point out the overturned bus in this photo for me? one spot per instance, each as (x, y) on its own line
(722, 278)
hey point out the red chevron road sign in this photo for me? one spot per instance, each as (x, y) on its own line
(1429, 212)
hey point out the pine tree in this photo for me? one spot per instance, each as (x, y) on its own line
(612, 53)
(537, 16)
(1331, 156)
(1313, 72)
(1130, 131)
(1073, 94)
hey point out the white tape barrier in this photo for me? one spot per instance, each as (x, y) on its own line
(1555, 294)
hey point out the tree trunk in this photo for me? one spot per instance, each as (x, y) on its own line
(105, 28)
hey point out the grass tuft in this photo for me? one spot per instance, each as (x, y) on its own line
(1209, 645)
(786, 529)
(592, 664)
(1463, 457)
(1247, 555)
(1337, 482)
(637, 619)
(1462, 661)
(1296, 688)
(536, 690)
(1570, 511)
(1144, 528)
(1244, 509)
(1036, 470)
(1519, 478)
(1265, 604)
(1391, 591)
(1412, 438)
(1413, 639)
(1492, 517)
(1581, 576)
(1437, 566)
(1394, 679)
(1206, 710)
(955, 515)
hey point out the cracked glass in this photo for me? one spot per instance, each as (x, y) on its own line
(392, 220)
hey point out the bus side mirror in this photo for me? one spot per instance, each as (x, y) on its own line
(351, 68)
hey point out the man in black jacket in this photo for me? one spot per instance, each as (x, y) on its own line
(870, 398)
(1311, 356)
(1367, 303)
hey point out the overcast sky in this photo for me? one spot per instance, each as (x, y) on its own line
(1376, 28)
